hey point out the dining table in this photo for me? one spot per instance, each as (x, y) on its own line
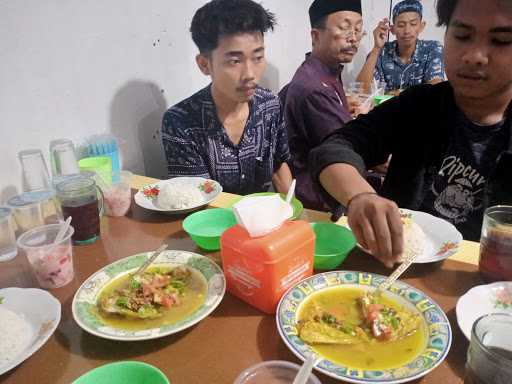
(235, 335)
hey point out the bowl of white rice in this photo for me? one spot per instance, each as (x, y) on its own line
(178, 195)
(28, 317)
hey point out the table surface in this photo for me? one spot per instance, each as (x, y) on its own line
(233, 337)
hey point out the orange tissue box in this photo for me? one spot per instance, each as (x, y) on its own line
(260, 270)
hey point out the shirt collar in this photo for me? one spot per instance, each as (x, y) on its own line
(393, 52)
(323, 69)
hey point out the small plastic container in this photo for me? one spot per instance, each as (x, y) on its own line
(8, 249)
(51, 263)
(33, 209)
(206, 227)
(99, 164)
(260, 270)
(273, 372)
(117, 193)
(332, 245)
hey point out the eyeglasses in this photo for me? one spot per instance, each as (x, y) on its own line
(347, 33)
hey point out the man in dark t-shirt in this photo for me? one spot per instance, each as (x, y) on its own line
(456, 191)
(451, 142)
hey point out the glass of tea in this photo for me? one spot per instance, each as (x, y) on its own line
(490, 350)
(496, 244)
(81, 199)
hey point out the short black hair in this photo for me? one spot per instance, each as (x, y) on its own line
(219, 18)
(445, 9)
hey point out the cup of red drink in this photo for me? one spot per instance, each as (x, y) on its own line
(52, 263)
(496, 244)
(81, 199)
(117, 194)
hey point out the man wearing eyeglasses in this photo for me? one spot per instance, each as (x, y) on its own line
(314, 101)
(407, 61)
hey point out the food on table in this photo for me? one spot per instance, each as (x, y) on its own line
(353, 328)
(117, 199)
(207, 186)
(151, 191)
(157, 297)
(179, 195)
(414, 237)
(15, 335)
(53, 266)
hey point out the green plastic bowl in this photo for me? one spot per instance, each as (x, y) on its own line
(206, 227)
(123, 372)
(332, 245)
(379, 99)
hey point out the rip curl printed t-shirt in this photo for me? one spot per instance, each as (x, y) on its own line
(456, 192)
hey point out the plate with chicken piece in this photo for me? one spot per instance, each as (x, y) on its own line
(176, 291)
(339, 317)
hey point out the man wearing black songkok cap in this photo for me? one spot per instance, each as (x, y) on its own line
(314, 101)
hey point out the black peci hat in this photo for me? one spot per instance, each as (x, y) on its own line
(321, 8)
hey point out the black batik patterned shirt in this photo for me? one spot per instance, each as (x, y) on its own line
(196, 143)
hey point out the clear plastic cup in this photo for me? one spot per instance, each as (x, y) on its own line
(272, 372)
(63, 157)
(117, 193)
(35, 172)
(8, 249)
(34, 209)
(51, 263)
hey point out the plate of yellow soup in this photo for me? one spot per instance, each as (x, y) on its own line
(176, 291)
(363, 337)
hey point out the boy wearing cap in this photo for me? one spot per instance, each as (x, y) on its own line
(407, 61)
(233, 130)
(451, 142)
(314, 101)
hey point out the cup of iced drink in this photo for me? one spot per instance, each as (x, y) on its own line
(496, 244)
(52, 263)
(273, 372)
(117, 194)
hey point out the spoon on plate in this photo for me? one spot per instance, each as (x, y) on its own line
(155, 254)
(305, 371)
(406, 263)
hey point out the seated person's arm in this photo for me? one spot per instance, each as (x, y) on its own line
(339, 164)
(370, 70)
(435, 69)
(374, 220)
(282, 178)
(181, 150)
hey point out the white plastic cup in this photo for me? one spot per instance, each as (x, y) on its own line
(273, 372)
(52, 264)
(8, 249)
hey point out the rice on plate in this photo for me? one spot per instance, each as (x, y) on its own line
(179, 195)
(15, 335)
(414, 238)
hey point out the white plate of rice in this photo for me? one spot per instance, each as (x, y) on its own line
(28, 317)
(178, 195)
(432, 239)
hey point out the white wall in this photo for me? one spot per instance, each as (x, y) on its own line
(81, 67)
